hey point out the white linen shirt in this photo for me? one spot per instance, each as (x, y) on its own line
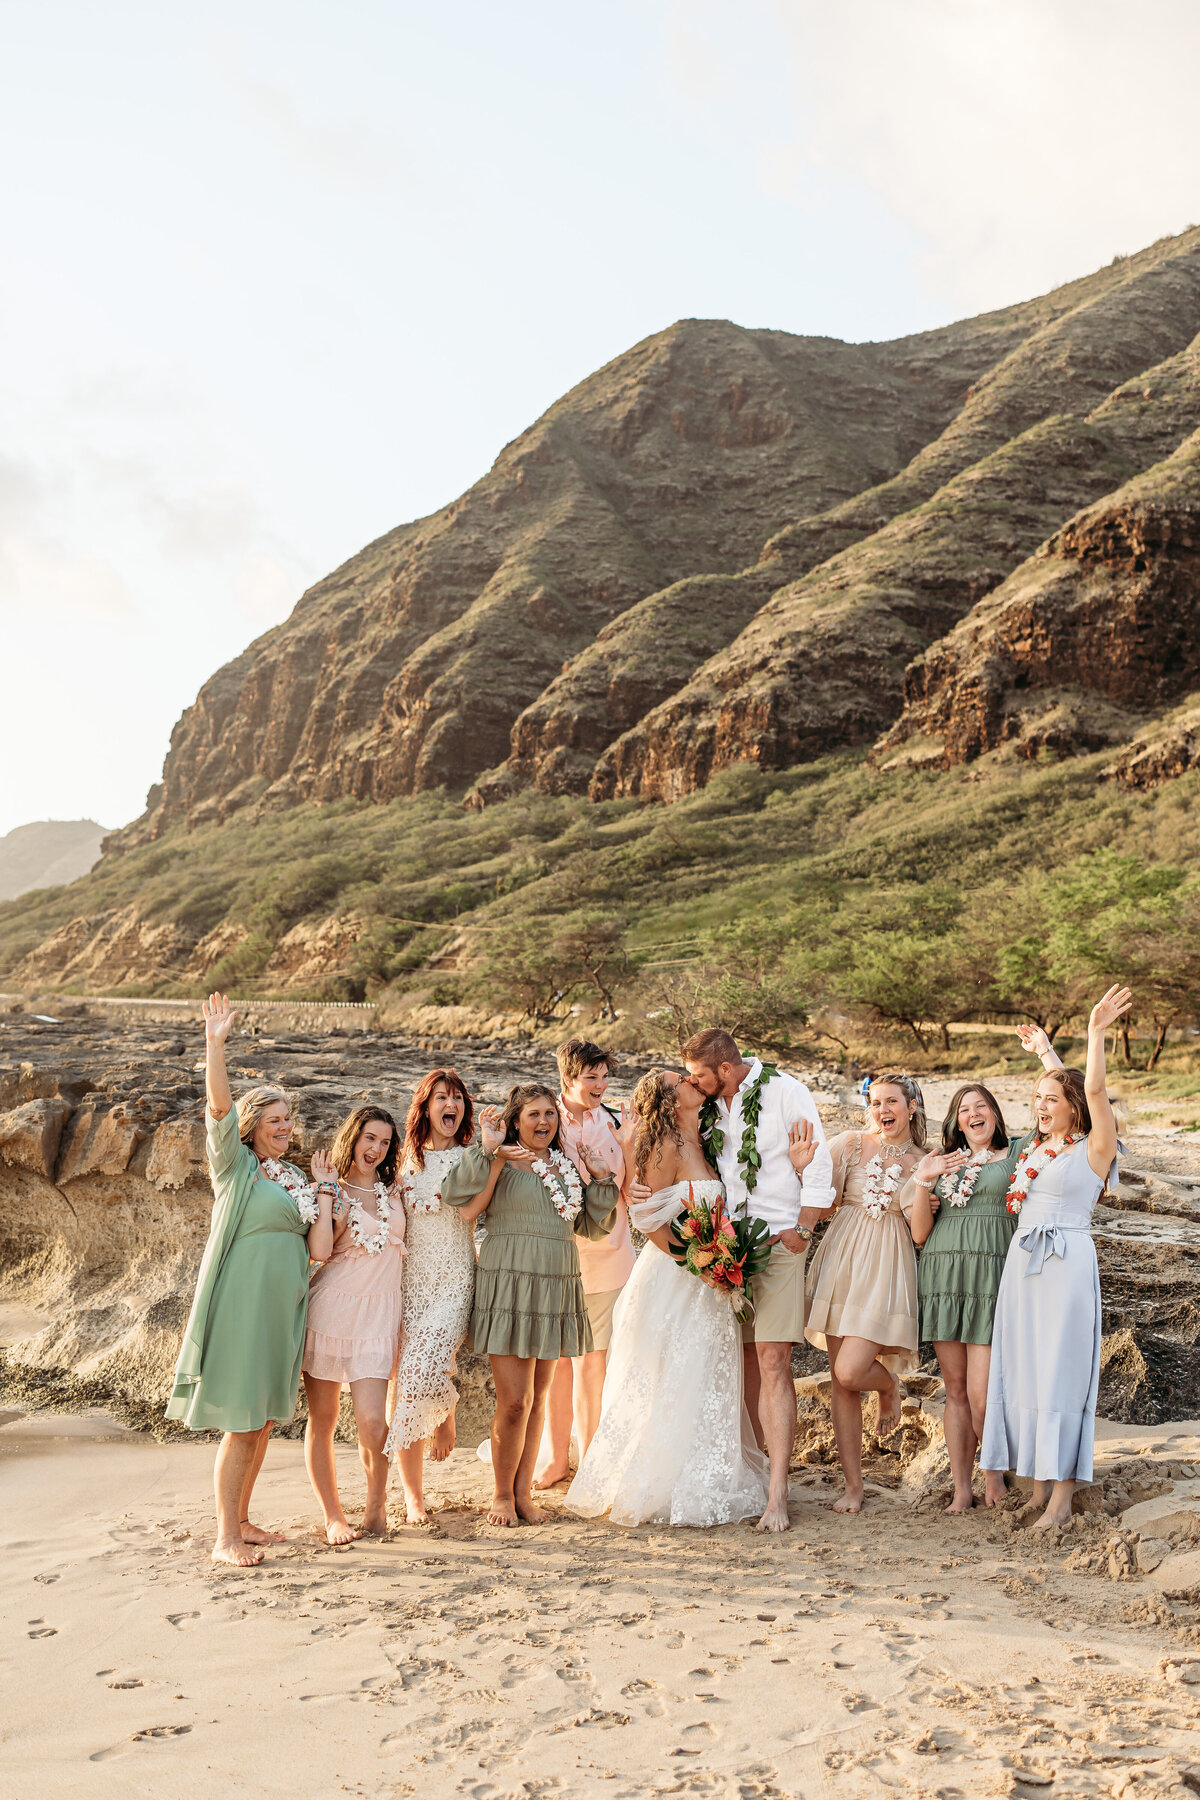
(778, 1196)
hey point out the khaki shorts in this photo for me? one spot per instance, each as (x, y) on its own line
(778, 1300)
(600, 1312)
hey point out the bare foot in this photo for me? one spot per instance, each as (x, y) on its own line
(375, 1521)
(1025, 1513)
(776, 1517)
(1042, 1491)
(502, 1512)
(551, 1475)
(237, 1553)
(414, 1510)
(529, 1513)
(443, 1440)
(256, 1534)
(850, 1502)
(961, 1503)
(338, 1531)
(995, 1487)
(889, 1410)
(1052, 1517)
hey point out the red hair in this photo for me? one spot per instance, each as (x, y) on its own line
(418, 1130)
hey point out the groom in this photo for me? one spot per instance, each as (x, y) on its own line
(762, 1129)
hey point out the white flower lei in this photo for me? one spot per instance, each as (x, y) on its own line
(958, 1187)
(568, 1205)
(287, 1176)
(880, 1185)
(371, 1242)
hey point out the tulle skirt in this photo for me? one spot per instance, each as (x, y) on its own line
(674, 1445)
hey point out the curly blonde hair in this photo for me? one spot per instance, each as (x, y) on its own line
(657, 1112)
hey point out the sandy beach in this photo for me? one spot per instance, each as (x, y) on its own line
(893, 1653)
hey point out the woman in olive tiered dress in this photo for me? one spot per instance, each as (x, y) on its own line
(958, 1214)
(529, 1306)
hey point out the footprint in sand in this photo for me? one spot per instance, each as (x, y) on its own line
(40, 1629)
(633, 1690)
(127, 1681)
(182, 1621)
(47, 1579)
(702, 1730)
(159, 1731)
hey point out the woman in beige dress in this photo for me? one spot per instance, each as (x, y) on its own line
(861, 1291)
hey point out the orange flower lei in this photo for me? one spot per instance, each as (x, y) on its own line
(1030, 1163)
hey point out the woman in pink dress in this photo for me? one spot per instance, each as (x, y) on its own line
(354, 1312)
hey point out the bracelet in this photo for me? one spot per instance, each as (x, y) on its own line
(927, 1185)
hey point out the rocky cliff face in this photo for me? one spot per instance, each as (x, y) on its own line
(725, 545)
(1090, 637)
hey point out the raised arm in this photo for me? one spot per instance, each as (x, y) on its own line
(1035, 1040)
(218, 1022)
(471, 1183)
(1102, 1140)
(817, 1190)
(325, 1229)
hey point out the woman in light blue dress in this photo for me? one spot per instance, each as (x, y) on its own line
(1045, 1371)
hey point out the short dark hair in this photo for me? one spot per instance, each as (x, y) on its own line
(954, 1138)
(578, 1054)
(712, 1048)
(520, 1097)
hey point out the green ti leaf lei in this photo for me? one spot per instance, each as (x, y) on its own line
(749, 1160)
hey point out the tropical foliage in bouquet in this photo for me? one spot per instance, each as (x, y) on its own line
(725, 1253)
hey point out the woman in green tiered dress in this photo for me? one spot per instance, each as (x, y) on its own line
(239, 1366)
(960, 1220)
(529, 1307)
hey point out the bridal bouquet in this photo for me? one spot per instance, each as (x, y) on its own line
(725, 1253)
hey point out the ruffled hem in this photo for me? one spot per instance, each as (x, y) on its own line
(895, 1335)
(350, 1359)
(501, 1331)
(1042, 1446)
(958, 1318)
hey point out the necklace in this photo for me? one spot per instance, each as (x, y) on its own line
(356, 1224)
(303, 1194)
(749, 1159)
(421, 1188)
(1032, 1160)
(562, 1176)
(959, 1187)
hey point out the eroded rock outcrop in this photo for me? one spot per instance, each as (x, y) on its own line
(1100, 628)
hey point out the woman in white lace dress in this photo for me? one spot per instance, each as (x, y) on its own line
(439, 1283)
(674, 1445)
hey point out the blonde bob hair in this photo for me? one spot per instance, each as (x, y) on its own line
(251, 1107)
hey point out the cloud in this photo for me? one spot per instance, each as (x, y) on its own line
(345, 153)
(1025, 142)
(41, 573)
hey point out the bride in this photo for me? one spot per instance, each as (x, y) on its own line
(674, 1445)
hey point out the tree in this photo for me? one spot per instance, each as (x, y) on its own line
(593, 944)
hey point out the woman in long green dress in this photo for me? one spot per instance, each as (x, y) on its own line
(959, 1219)
(239, 1366)
(529, 1308)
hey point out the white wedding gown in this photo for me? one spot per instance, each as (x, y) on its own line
(674, 1444)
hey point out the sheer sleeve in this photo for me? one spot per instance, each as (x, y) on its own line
(843, 1151)
(598, 1214)
(469, 1176)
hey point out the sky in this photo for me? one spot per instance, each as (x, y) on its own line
(276, 277)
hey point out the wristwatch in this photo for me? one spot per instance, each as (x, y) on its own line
(803, 1231)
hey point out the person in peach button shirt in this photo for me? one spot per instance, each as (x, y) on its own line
(575, 1394)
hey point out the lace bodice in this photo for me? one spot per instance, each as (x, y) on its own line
(422, 1187)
